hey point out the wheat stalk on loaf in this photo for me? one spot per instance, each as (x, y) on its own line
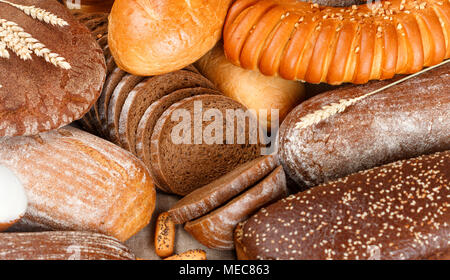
(13, 37)
(335, 108)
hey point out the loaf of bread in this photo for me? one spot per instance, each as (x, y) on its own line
(13, 200)
(407, 120)
(215, 230)
(305, 41)
(396, 211)
(51, 68)
(58, 245)
(151, 38)
(251, 88)
(182, 159)
(77, 181)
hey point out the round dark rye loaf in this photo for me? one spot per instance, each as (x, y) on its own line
(36, 95)
(404, 121)
(57, 245)
(216, 193)
(215, 230)
(148, 92)
(118, 97)
(396, 211)
(185, 165)
(152, 114)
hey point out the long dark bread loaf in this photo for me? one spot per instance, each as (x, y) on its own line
(396, 211)
(404, 121)
(62, 246)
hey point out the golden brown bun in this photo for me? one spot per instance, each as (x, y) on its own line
(303, 41)
(157, 37)
(250, 88)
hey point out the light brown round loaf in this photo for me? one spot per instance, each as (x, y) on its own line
(36, 95)
(157, 37)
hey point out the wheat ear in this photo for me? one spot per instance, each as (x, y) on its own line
(11, 36)
(335, 108)
(23, 44)
(39, 14)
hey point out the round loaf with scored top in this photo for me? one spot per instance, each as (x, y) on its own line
(55, 77)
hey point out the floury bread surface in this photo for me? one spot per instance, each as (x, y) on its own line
(53, 78)
(404, 121)
(62, 246)
(77, 181)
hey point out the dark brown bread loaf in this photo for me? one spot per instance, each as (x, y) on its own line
(215, 230)
(207, 198)
(148, 92)
(404, 121)
(396, 211)
(62, 246)
(55, 77)
(191, 162)
(151, 116)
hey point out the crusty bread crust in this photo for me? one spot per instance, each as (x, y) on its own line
(303, 41)
(65, 245)
(77, 181)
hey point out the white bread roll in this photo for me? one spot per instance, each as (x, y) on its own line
(251, 88)
(150, 38)
(78, 182)
(13, 200)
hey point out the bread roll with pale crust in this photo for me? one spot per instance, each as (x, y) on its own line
(250, 88)
(156, 37)
(78, 182)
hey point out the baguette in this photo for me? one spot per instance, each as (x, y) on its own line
(78, 182)
(62, 246)
(396, 211)
(404, 121)
(303, 41)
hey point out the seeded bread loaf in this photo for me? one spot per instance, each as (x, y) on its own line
(52, 79)
(305, 41)
(215, 230)
(209, 197)
(184, 161)
(396, 211)
(77, 181)
(151, 116)
(404, 121)
(62, 246)
(147, 92)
